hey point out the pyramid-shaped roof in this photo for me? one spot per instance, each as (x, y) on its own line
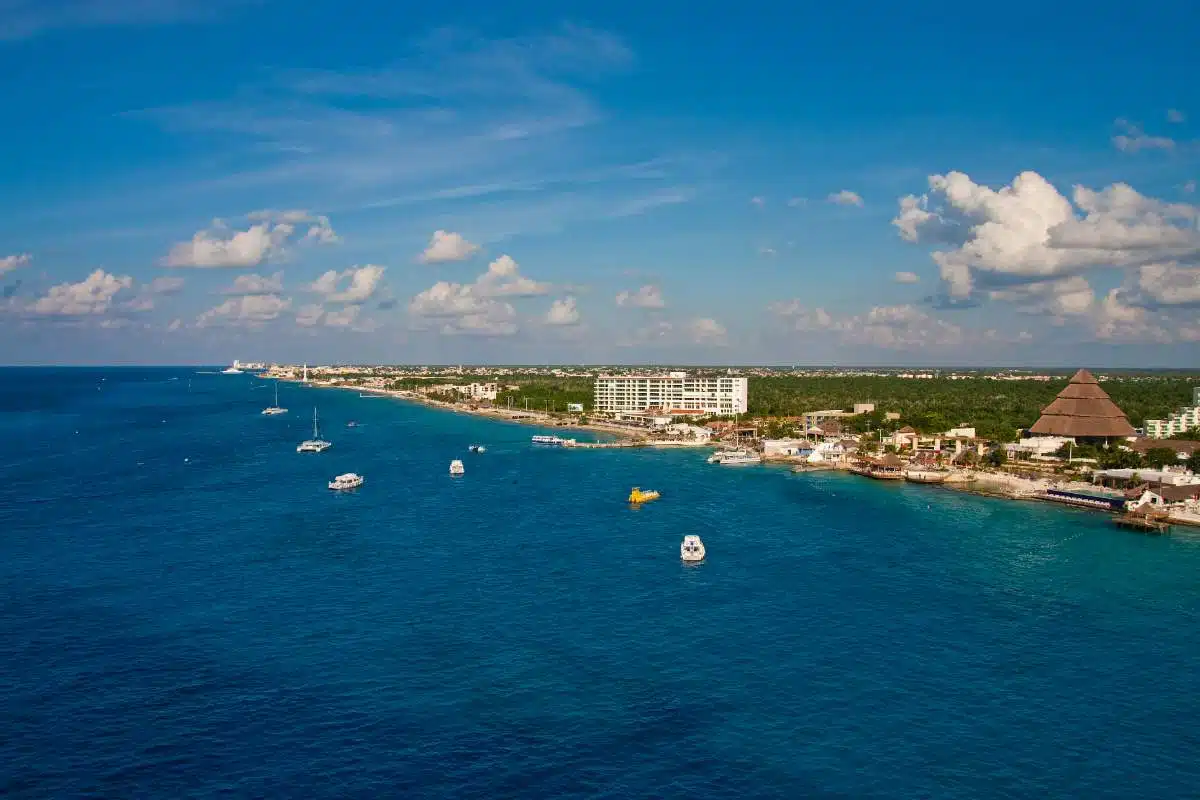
(1082, 409)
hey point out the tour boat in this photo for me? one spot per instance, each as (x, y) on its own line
(456, 467)
(234, 370)
(638, 496)
(477, 448)
(346, 481)
(542, 439)
(316, 444)
(692, 549)
(735, 457)
(272, 410)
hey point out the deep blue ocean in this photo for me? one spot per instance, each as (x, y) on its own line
(187, 611)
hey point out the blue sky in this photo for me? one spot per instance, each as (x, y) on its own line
(190, 181)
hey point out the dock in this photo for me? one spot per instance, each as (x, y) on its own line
(1143, 523)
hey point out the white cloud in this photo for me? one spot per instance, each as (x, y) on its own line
(1028, 232)
(797, 202)
(447, 246)
(472, 308)
(23, 19)
(249, 311)
(253, 284)
(902, 327)
(9, 263)
(648, 296)
(1132, 139)
(1118, 321)
(320, 231)
(1169, 284)
(1064, 297)
(845, 198)
(503, 279)
(707, 331)
(1175, 115)
(758, 201)
(563, 312)
(907, 277)
(175, 324)
(362, 284)
(248, 248)
(766, 251)
(1189, 187)
(216, 246)
(91, 296)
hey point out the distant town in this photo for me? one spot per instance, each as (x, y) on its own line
(1127, 442)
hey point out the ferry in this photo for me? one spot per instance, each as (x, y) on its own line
(348, 480)
(638, 496)
(556, 440)
(735, 457)
(692, 549)
(457, 468)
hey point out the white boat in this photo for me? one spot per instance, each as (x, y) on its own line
(456, 467)
(542, 439)
(316, 444)
(477, 448)
(735, 457)
(273, 410)
(692, 549)
(348, 480)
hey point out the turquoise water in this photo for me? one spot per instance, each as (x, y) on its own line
(187, 611)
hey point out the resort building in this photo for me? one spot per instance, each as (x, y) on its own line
(1182, 421)
(676, 391)
(1083, 412)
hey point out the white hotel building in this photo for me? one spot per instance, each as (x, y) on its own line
(675, 391)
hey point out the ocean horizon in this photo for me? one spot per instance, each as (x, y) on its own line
(188, 611)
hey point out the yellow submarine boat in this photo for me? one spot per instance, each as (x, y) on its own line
(638, 496)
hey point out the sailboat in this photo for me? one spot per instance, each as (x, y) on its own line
(316, 444)
(271, 411)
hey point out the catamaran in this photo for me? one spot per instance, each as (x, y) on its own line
(271, 411)
(316, 444)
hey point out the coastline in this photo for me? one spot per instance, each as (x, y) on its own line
(531, 418)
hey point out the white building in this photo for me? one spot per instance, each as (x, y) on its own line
(1182, 420)
(675, 391)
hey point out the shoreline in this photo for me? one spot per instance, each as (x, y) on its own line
(530, 418)
(1000, 486)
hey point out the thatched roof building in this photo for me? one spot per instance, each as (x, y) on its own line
(1083, 410)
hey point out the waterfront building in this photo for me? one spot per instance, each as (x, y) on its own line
(1083, 412)
(722, 395)
(1183, 420)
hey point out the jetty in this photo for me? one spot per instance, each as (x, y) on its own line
(1143, 522)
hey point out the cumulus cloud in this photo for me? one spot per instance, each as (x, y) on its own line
(92, 296)
(9, 263)
(563, 312)
(1132, 138)
(473, 308)
(1175, 115)
(707, 331)
(845, 198)
(246, 311)
(907, 277)
(253, 284)
(758, 201)
(648, 296)
(1064, 297)
(266, 239)
(447, 246)
(900, 327)
(360, 284)
(1166, 285)
(1028, 232)
(504, 279)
